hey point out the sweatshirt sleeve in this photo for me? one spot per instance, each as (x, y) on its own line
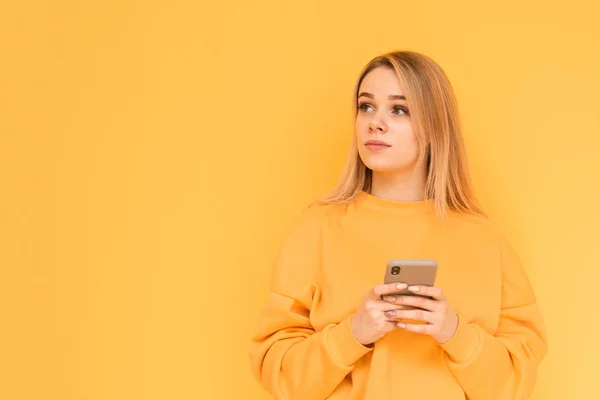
(288, 356)
(503, 364)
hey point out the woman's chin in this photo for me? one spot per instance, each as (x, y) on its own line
(383, 167)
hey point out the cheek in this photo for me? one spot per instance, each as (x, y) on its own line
(405, 140)
(410, 146)
(361, 126)
(406, 153)
(407, 135)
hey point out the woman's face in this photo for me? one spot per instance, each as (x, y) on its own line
(384, 133)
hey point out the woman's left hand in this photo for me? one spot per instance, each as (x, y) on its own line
(440, 319)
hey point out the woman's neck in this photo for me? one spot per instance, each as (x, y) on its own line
(398, 187)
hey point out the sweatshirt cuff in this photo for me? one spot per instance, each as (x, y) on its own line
(343, 346)
(463, 346)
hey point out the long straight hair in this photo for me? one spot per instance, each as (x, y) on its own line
(436, 125)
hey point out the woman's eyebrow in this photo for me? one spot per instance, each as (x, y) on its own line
(390, 97)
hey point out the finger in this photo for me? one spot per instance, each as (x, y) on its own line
(419, 302)
(380, 290)
(377, 310)
(390, 326)
(391, 298)
(427, 329)
(385, 306)
(415, 315)
(390, 301)
(430, 291)
(389, 310)
(393, 303)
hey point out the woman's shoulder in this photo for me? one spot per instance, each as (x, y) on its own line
(317, 212)
(474, 226)
(314, 216)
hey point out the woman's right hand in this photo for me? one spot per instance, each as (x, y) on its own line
(369, 322)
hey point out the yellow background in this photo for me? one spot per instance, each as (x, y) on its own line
(153, 153)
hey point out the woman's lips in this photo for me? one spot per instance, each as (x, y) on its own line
(376, 145)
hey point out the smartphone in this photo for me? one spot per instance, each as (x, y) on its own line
(411, 272)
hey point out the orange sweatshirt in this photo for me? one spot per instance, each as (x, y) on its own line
(304, 348)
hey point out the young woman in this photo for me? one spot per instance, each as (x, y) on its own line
(331, 329)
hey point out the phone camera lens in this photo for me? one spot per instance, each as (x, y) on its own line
(395, 270)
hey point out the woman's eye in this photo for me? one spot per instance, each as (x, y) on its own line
(399, 110)
(364, 107)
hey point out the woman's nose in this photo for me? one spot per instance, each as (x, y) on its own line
(377, 125)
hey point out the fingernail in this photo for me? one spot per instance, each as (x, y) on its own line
(401, 286)
(390, 313)
(390, 298)
(401, 325)
(414, 288)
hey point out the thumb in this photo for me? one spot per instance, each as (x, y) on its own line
(387, 288)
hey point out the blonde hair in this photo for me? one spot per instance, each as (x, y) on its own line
(436, 124)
